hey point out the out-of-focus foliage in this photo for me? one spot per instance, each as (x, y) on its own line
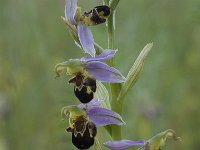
(33, 39)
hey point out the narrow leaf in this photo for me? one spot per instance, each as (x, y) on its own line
(135, 70)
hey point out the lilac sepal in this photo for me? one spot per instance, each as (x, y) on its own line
(123, 144)
(106, 55)
(105, 73)
(92, 103)
(86, 39)
(102, 116)
(70, 10)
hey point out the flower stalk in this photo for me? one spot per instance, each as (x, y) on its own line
(115, 87)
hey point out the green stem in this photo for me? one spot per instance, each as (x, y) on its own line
(116, 106)
(111, 31)
(115, 87)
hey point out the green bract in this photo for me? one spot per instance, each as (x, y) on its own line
(156, 142)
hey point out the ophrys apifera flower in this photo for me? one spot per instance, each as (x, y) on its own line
(87, 70)
(96, 16)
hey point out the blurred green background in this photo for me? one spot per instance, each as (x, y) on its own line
(33, 39)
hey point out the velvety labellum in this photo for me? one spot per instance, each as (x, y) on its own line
(83, 133)
(103, 11)
(83, 94)
(77, 80)
(84, 87)
(90, 82)
(97, 15)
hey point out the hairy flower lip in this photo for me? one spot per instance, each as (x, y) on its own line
(83, 132)
(82, 94)
(84, 87)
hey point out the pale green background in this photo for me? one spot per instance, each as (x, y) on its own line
(33, 39)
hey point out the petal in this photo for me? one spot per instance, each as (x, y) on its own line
(92, 103)
(106, 55)
(104, 73)
(70, 10)
(102, 116)
(86, 39)
(122, 144)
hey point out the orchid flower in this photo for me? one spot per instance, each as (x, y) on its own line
(83, 120)
(92, 110)
(154, 143)
(84, 32)
(87, 70)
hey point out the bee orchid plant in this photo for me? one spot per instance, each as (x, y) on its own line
(88, 73)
